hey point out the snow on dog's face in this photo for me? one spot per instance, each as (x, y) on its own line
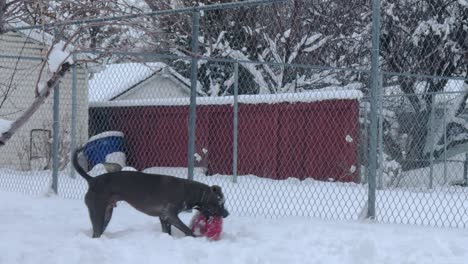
(214, 205)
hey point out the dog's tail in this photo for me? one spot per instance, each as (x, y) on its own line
(78, 168)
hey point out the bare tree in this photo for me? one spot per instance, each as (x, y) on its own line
(330, 33)
(67, 39)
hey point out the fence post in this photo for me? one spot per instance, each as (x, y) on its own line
(445, 141)
(235, 122)
(431, 135)
(193, 93)
(375, 75)
(73, 115)
(380, 143)
(465, 170)
(55, 140)
(365, 147)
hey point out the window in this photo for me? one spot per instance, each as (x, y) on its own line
(40, 149)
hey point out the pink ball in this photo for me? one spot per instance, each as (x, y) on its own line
(211, 228)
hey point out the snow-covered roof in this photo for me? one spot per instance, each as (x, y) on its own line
(118, 78)
(36, 34)
(305, 97)
(453, 89)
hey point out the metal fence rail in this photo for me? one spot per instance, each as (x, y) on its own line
(298, 115)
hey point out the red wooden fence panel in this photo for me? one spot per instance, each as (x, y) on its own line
(302, 140)
(258, 140)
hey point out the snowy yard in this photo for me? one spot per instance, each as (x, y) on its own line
(288, 226)
(38, 229)
(236, 57)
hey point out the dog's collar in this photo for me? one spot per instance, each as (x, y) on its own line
(203, 197)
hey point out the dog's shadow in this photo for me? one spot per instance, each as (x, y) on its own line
(119, 234)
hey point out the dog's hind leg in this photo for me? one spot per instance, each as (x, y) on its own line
(95, 217)
(165, 225)
(97, 213)
(175, 221)
(107, 216)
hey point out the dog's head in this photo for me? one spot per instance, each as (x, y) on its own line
(213, 204)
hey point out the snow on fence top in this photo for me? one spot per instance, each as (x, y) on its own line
(304, 97)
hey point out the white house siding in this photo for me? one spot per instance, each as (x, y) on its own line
(16, 43)
(15, 154)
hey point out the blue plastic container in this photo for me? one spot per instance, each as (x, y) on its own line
(100, 145)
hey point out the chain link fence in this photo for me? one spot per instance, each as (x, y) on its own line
(290, 159)
(421, 152)
(275, 104)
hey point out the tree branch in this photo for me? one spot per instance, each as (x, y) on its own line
(38, 101)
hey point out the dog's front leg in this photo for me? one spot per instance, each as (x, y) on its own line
(165, 225)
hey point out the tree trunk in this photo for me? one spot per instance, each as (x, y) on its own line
(2, 15)
(418, 134)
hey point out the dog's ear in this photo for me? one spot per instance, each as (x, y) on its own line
(216, 189)
(218, 194)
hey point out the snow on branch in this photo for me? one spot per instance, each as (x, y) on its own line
(57, 56)
(5, 125)
(258, 77)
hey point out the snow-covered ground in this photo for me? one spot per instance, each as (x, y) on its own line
(287, 221)
(40, 229)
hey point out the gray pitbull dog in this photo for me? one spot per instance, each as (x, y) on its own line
(155, 195)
